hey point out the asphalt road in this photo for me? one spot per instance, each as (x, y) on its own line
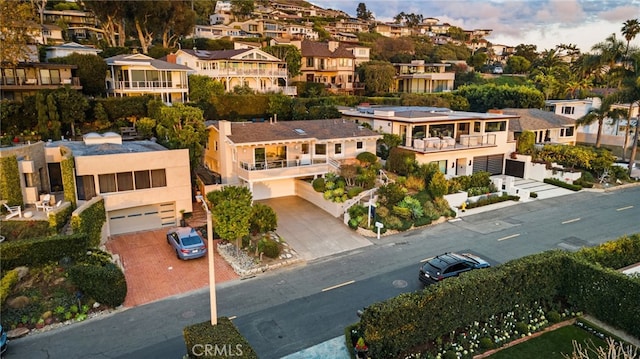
(287, 310)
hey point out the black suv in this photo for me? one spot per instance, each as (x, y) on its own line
(449, 265)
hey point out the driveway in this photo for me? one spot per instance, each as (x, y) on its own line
(311, 231)
(153, 272)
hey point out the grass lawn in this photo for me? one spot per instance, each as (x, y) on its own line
(551, 345)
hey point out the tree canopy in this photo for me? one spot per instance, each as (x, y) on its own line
(231, 212)
(15, 33)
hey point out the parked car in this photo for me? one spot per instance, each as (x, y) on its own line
(187, 243)
(498, 70)
(449, 265)
(3, 341)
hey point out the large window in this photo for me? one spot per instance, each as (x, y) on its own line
(107, 183)
(125, 181)
(129, 181)
(158, 178)
(321, 149)
(444, 130)
(566, 132)
(337, 148)
(495, 126)
(143, 179)
(567, 110)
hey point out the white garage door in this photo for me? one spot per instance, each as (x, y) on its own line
(142, 218)
(273, 189)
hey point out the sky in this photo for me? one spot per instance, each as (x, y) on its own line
(544, 23)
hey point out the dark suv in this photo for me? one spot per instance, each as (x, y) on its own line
(449, 265)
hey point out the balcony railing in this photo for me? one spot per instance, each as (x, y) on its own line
(147, 85)
(436, 144)
(43, 81)
(245, 72)
(281, 169)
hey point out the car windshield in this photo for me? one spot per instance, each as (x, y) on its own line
(191, 240)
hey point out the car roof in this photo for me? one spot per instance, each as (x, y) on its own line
(444, 260)
(183, 231)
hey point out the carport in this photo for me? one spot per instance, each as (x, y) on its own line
(310, 231)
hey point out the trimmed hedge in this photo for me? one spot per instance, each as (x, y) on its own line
(413, 319)
(559, 183)
(38, 251)
(222, 340)
(491, 199)
(104, 283)
(19, 230)
(90, 220)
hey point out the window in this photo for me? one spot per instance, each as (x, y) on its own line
(143, 180)
(495, 126)
(305, 148)
(359, 145)
(310, 61)
(566, 132)
(338, 148)
(321, 149)
(125, 181)
(107, 183)
(567, 110)
(158, 178)
(476, 126)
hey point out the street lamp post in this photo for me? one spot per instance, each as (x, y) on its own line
(212, 276)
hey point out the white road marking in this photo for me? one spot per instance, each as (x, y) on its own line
(572, 220)
(624, 208)
(339, 285)
(509, 237)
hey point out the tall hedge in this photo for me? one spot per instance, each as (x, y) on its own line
(221, 340)
(90, 221)
(414, 319)
(38, 251)
(10, 181)
(67, 166)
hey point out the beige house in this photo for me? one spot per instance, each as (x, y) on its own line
(269, 157)
(27, 78)
(548, 127)
(330, 63)
(144, 185)
(460, 143)
(252, 67)
(138, 75)
(418, 77)
(392, 30)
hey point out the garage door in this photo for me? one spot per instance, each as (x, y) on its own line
(491, 164)
(142, 218)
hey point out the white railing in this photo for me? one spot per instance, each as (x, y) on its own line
(245, 72)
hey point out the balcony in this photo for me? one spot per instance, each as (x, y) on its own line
(26, 83)
(465, 142)
(245, 72)
(148, 85)
(282, 169)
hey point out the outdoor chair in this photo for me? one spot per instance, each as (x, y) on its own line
(13, 211)
(51, 208)
(46, 199)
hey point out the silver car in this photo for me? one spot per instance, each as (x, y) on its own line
(187, 243)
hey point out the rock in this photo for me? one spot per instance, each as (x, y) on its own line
(59, 280)
(17, 333)
(22, 272)
(288, 255)
(46, 315)
(96, 305)
(18, 302)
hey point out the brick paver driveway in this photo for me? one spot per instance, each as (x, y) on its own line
(153, 272)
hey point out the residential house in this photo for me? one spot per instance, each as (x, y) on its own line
(500, 53)
(269, 157)
(420, 77)
(70, 48)
(27, 78)
(79, 25)
(460, 143)
(345, 37)
(613, 132)
(144, 185)
(424, 28)
(300, 32)
(350, 25)
(138, 74)
(548, 127)
(392, 30)
(216, 32)
(330, 63)
(259, 28)
(255, 68)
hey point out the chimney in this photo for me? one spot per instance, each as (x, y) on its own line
(171, 58)
(496, 111)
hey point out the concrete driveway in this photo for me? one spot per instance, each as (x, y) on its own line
(310, 231)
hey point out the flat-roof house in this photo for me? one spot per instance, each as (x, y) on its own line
(144, 185)
(420, 77)
(461, 143)
(27, 78)
(269, 157)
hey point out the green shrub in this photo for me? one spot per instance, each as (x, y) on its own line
(554, 317)
(341, 182)
(392, 222)
(354, 191)
(224, 335)
(526, 142)
(105, 284)
(263, 218)
(18, 230)
(367, 158)
(270, 248)
(619, 172)
(559, 183)
(318, 184)
(616, 254)
(439, 186)
(480, 179)
(6, 284)
(587, 177)
(522, 327)
(450, 354)
(422, 221)
(533, 195)
(486, 343)
(582, 183)
(402, 212)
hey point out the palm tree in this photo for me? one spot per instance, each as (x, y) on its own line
(610, 52)
(630, 29)
(599, 114)
(631, 92)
